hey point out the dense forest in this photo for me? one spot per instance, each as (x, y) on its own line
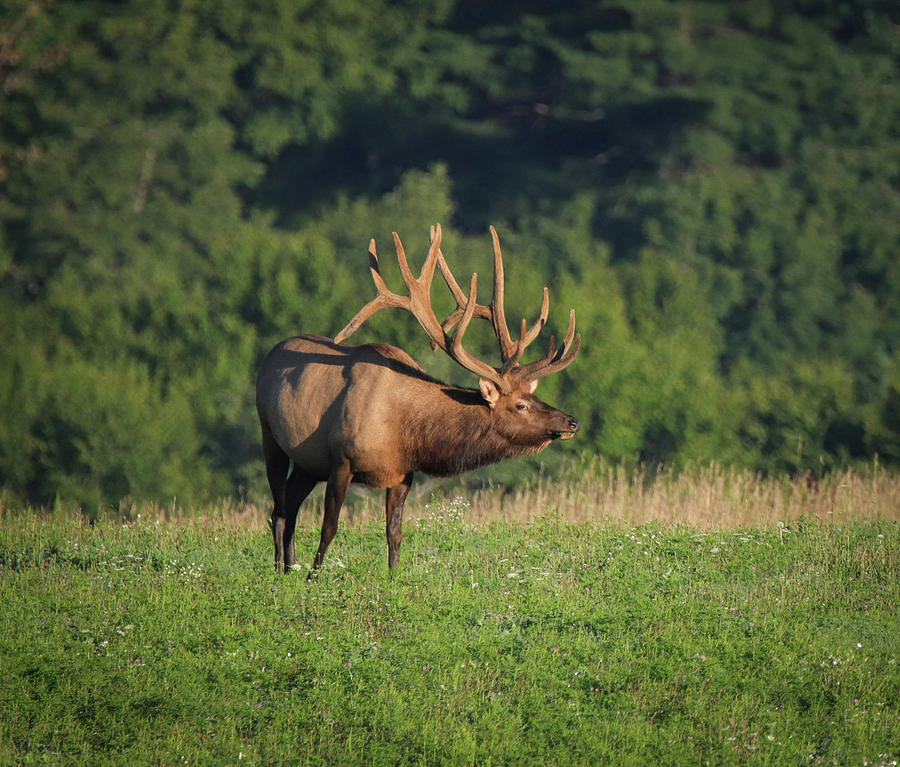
(713, 186)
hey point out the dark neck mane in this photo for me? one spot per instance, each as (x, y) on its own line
(462, 440)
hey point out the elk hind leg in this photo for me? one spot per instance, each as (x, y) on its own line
(335, 492)
(393, 511)
(277, 465)
(299, 486)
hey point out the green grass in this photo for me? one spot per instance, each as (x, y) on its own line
(540, 643)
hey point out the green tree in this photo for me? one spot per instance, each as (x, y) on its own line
(713, 186)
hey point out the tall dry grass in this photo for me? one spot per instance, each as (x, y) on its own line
(708, 498)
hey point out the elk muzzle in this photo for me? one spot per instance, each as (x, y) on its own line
(572, 427)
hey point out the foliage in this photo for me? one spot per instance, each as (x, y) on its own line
(715, 187)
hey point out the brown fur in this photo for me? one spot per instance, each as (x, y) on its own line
(370, 414)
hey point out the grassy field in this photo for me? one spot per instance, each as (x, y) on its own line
(569, 623)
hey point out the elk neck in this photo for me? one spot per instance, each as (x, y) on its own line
(454, 433)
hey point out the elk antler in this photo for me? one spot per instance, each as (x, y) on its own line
(418, 303)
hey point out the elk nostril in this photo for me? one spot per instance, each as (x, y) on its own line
(573, 425)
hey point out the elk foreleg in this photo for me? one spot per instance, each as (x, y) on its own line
(393, 509)
(335, 491)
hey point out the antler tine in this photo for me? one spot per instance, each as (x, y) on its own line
(385, 298)
(555, 359)
(527, 336)
(511, 351)
(561, 364)
(498, 313)
(539, 325)
(470, 363)
(513, 360)
(426, 275)
(418, 302)
(481, 311)
(435, 232)
(420, 290)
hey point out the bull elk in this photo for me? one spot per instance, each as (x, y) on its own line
(370, 414)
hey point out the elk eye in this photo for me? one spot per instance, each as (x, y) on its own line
(521, 406)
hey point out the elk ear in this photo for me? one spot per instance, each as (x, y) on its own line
(532, 385)
(489, 391)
